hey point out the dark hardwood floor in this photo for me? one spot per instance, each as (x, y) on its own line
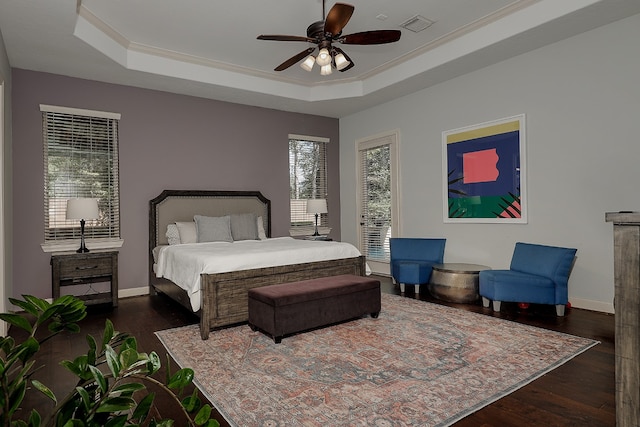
(579, 393)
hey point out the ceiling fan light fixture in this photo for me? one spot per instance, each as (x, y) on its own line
(307, 64)
(324, 57)
(341, 61)
(325, 70)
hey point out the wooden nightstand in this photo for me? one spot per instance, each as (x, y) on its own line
(83, 269)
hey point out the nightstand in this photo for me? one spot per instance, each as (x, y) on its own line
(71, 269)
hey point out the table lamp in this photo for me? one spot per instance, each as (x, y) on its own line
(82, 209)
(316, 206)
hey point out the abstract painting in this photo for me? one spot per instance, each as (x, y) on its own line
(485, 172)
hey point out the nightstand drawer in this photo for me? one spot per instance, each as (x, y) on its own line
(77, 269)
(84, 268)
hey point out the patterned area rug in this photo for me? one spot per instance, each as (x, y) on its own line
(417, 364)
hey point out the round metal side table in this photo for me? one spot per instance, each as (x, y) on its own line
(456, 282)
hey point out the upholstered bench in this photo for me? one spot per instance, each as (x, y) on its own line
(287, 308)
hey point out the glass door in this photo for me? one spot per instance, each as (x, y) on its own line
(377, 205)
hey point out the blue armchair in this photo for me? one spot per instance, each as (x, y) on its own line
(413, 258)
(538, 274)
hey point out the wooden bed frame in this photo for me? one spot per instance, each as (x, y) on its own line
(224, 298)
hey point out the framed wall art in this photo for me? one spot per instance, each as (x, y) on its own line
(484, 172)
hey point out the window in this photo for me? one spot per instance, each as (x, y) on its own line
(307, 180)
(80, 160)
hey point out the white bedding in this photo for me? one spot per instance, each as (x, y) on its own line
(183, 264)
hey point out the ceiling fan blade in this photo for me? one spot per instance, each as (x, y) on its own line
(289, 62)
(351, 64)
(282, 38)
(372, 37)
(337, 18)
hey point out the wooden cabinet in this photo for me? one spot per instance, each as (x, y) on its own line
(626, 260)
(73, 269)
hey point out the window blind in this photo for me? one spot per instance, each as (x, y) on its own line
(80, 160)
(307, 180)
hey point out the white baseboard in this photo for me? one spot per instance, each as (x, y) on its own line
(586, 304)
(133, 292)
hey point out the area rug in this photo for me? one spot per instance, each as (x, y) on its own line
(417, 364)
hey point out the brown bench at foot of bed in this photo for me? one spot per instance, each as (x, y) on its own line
(293, 307)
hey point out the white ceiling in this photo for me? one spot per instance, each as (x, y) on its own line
(208, 48)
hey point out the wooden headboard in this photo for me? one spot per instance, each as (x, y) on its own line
(181, 205)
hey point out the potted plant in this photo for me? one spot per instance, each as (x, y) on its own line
(112, 376)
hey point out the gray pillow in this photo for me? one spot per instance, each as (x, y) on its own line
(244, 226)
(213, 229)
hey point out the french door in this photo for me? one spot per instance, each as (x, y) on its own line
(377, 198)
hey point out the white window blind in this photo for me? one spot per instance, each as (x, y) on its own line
(80, 160)
(307, 180)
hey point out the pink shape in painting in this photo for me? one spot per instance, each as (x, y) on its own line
(512, 211)
(480, 166)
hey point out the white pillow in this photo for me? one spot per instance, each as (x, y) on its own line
(261, 234)
(173, 235)
(187, 231)
(213, 229)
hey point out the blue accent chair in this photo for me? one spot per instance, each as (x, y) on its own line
(413, 258)
(538, 274)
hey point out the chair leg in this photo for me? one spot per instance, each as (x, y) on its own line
(485, 302)
(417, 289)
(496, 305)
(560, 309)
(402, 287)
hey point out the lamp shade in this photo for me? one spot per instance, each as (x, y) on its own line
(82, 209)
(307, 64)
(324, 57)
(316, 206)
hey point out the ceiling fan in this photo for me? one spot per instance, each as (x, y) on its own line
(327, 32)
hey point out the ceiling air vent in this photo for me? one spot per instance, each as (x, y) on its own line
(417, 23)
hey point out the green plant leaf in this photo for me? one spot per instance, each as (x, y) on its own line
(128, 357)
(107, 334)
(34, 419)
(203, 415)
(84, 396)
(128, 388)
(144, 406)
(37, 302)
(91, 354)
(112, 361)
(29, 348)
(118, 421)
(155, 364)
(212, 423)
(17, 395)
(181, 379)
(25, 305)
(99, 378)
(17, 321)
(44, 390)
(191, 403)
(116, 404)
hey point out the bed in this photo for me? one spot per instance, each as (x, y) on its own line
(223, 296)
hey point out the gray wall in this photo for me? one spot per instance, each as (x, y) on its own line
(581, 98)
(167, 141)
(5, 182)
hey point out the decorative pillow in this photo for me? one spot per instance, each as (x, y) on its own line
(244, 226)
(173, 235)
(213, 229)
(261, 234)
(187, 231)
